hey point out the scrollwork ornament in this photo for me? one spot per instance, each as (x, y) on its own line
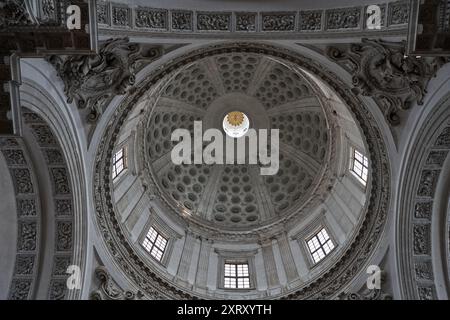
(91, 81)
(382, 70)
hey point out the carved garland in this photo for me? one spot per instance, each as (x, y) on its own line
(328, 285)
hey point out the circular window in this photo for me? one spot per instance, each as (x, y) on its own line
(236, 124)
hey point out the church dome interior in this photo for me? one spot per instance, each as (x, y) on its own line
(225, 150)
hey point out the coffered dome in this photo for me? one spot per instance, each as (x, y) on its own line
(167, 213)
(274, 95)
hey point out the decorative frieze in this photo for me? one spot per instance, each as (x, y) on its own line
(427, 183)
(423, 270)
(53, 156)
(421, 239)
(182, 20)
(60, 265)
(20, 289)
(103, 12)
(27, 236)
(43, 135)
(22, 180)
(214, 21)
(121, 16)
(63, 207)
(24, 264)
(426, 293)
(398, 13)
(14, 157)
(58, 289)
(60, 180)
(437, 157)
(176, 20)
(423, 210)
(246, 21)
(151, 18)
(28, 217)
(310, 20)
(278, 21)
(26, 207)
(443, 139)
(63, 235)
(345, 18)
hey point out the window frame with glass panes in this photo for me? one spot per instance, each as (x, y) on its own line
(155, 243)
(120, 162)
(320, 245)
(236, 275)
(359, 166)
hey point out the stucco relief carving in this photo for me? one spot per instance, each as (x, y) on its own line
(423, 271)
(381, 70)
(63, 207)
(437, 157)
(14, 157)
(14, 13)
(20, 289)
(310, 20)
(58, 289)
(27, 236)
(153, 19)
(423, 210)
(426, 293)
(28, 214)
(444, 139)
(43, 135)
(399, 12)
(26, 207)
(102, 12)
(214, 21)
(428, 183)
(60, 180)
(24, 265)
(278, 22)
(245, 21)
(60, 265)
(91, 81)
(53, 157)
(63, 235)
(22, 180)
(421, 237)
(109, 290)
(346, 18)
(182, 20)
(121, 16)
(376, 294)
